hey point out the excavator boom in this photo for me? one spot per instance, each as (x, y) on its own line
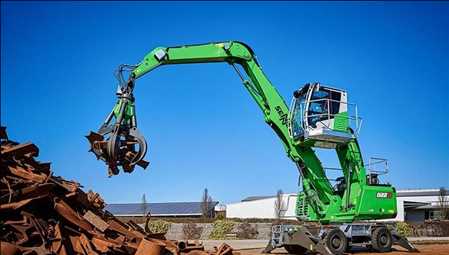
(304, 126)
(319, 116)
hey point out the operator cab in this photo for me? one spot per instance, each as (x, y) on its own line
(320, 115)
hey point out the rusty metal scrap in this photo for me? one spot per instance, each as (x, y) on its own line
(187, 246)
(95, 220)
(45, 214)
(95, 199)
(223, 249)
(66, 212)
(148, 248)
(20, 150)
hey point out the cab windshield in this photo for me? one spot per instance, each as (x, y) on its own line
(318, 107)
(297, 116)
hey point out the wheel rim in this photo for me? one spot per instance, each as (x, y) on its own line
(336, 242)
(383, 240)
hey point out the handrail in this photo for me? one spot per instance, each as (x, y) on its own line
(376, 161)
(351, 117)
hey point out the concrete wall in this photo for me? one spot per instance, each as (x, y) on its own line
(175, 231)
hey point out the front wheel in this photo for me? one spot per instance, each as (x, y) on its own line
(336, 241)
(381, 239)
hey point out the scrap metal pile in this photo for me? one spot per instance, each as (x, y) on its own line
(45, 214)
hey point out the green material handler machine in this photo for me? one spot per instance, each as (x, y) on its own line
(319, 117)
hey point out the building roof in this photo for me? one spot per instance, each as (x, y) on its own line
(158, 209)
(254, 198)
(418, 192)
(412, 204)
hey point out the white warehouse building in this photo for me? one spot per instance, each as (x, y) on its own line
(414, 206)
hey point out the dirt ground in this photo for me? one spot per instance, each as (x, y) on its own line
(424, 249)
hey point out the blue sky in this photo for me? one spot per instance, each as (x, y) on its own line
(203, 130)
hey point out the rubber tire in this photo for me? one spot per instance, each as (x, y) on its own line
(295, 249)
(329, 241)
(381, 239)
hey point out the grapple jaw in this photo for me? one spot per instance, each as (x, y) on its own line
(118, 142)
(123, 149)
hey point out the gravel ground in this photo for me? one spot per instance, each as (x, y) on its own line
(427, 249)
(254, 247)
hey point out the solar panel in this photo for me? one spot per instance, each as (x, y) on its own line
(172, 208)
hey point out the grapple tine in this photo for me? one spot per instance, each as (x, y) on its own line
(92, 137)
(121, 149)
(95, 141)
(118, 142)
(143, 163)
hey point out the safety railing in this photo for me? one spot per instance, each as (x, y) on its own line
(377, 165)
(332, 169)
(352, 113)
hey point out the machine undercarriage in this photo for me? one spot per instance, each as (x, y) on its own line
(336, 238)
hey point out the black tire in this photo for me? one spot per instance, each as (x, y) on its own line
(381, 239)
(336, 241)
(295, 249)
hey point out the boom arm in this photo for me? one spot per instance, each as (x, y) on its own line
(259, 87)
(263, 92)
(119, 148)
